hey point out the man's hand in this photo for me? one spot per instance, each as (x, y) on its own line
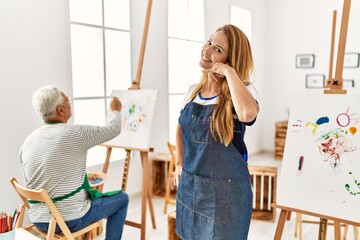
(115, 104)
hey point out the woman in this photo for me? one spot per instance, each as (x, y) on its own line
(214, 194)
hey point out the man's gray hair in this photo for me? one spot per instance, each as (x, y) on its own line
(45, 100)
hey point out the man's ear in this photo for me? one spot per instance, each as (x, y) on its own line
(59, 110)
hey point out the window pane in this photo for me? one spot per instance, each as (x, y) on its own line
(176, 13)
(89, 111)
(184, 69)
(186, 19)
(87, 61)
(195, 20)
(242, 19)
(175, 103)
(118, 60)
(86, 11)
(117, 14)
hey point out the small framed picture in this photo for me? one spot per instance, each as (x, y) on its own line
(305, 61)
(315, 80)
(348, 83)
(351, 60)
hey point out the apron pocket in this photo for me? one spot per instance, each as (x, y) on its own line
(206, 197)
(200, 130)
(212, 198)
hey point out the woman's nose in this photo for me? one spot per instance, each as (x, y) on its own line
(206, 50)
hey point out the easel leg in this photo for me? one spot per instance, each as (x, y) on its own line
(345, 231)
(280, 226)
(337, 230)
(146, 195)
(356, 233)
(105, 166)
(322, 229)
(126, 170)
(298, 225)
(144, 160)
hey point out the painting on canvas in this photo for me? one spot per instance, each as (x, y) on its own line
(320, 172)
(137, 115)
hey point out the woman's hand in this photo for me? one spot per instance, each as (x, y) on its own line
(177, 174)
(219, 70)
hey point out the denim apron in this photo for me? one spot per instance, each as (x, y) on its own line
(214, 198)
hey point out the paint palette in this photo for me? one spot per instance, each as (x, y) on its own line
(96, 179)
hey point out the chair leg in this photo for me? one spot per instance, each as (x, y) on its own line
(168, 185)
(167, 195)
(51, 231)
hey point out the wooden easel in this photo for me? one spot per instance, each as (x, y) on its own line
(146, 193)
(336, 84)
(335, 87)
(322, 223)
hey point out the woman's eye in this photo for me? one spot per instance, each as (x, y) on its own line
(208, 42)
(218, 50)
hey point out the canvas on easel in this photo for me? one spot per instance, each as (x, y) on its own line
(320, 171)
(137, 114)
(321, 166)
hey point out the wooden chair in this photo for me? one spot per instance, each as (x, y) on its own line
(43, 196)
(168, 199)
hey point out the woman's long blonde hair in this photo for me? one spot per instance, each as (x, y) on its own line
(240, 58)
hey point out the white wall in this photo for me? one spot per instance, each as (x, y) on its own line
(295, 27)
(34, 51)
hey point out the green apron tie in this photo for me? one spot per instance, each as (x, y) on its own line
(93, 193)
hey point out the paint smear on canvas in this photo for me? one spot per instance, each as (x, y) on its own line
(349, 189)
(332, 137)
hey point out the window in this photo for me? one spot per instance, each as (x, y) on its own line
(242, 19)
(186, 37)
(101, 60)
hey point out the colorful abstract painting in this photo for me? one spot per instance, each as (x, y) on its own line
(320, 172)
(137, 115)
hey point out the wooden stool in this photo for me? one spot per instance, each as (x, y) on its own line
(172, 227)
(159, 173)
(264, 183)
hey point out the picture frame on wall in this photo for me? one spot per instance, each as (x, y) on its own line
(348, 83)
(305, 61)
(315, 80)
(351, 60)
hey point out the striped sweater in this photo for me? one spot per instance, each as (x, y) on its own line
(54, 157)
